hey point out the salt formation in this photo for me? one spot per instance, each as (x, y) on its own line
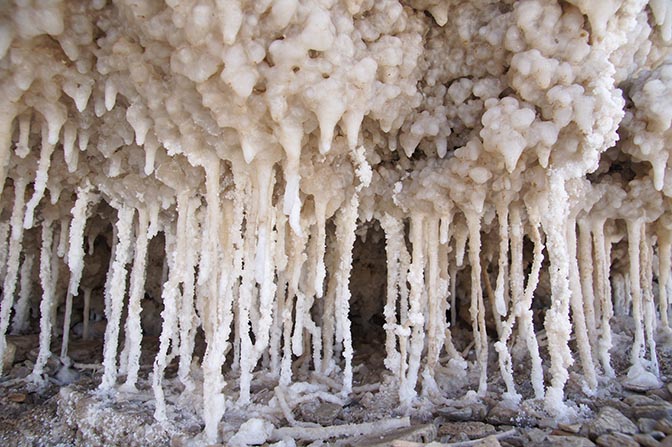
(516, 156)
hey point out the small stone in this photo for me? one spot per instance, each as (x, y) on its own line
(323, 413)
(616, 440)
(657, 435)
(471, 430)
(646, 440)
(17, 397)
(504, 415)
(638, 399)
(474, 412)
(488, 441)
(567, 441)
(646, 425)
(657, 411)
(536, 435)
(667, 442)
(664, 425)
(421, 433)
(570, 428)
(607, 421)
(8, 358)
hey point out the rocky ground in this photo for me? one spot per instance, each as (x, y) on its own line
(67, 410)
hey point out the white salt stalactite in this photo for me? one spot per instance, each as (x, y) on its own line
(47, 304)
(527, 324)
(296, 260)
(22, 305)
(169, 296)
(503, 261)
(15, 247)
(187, 317)
(394, 237)
(603, 293)
(346, 225)
(556, 323)
(133, 337)
(435, 311)
(576, 304)
(117, 292)
(477, 306)
(8, 111)
(75, 258)
(664, 254)
(647, 299)
(634, 235)
(585, 257)
(41, 176)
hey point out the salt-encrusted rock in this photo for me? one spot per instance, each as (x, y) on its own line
(664, 425)
(323, 413)
(254, 431)
(567, 441)
(607, 421)
(457, 431)
(616, 440)
(661, 410)
(646, 425)
(646, 440)
(570, 428)
(502, 414)
(474, 412)
(488, 441)
(419, 433)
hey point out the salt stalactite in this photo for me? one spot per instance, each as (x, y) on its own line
(477, 307)
(634, 241)
(527, 324)
(296, 259)
(169, 296)
(346, 224)
(22, 305)
(648, 305)
(557, 322)
(503, 261)
(585, 259)
(664, 258)
(41, 176)
(48, 276)
(133, 337)
(603, 293)
(416, 319)
(15, 247)
(188, 318)
(394, 236)
(117, 292)
(576, 304)
(435, 314)
(75, 259)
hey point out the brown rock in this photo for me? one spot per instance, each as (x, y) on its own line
(17, 397)
(664, 425)
(660, 410)
(8, 358)
(323, 413)
(570, 428)
(567, 441)
(667, 442)
(616, 440)
(646, 425)
(469, 430)
(646, 440)
(609, 420)
(488, 441)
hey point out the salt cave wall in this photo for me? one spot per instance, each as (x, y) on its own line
(258, 138)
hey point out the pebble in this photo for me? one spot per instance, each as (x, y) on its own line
(664, 425)
(323, 413)
(469, 430)
(475, 412)
(646, 440)
(607, 421)
(616, 440)
(660, 410)
(567, 441)
(646, 425)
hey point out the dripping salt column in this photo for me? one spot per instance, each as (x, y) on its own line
(117, 292)
(557, 324)
(15, 247)
(47, 306)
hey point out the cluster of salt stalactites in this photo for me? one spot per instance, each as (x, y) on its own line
(241, 130)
